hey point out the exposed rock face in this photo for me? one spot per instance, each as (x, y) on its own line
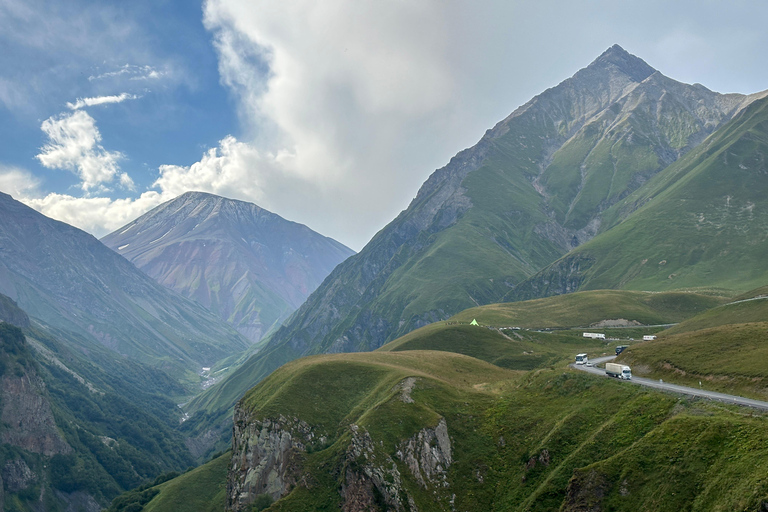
(11, 313)
(585, 492)
(266, 456)
(370, 479)
(428, 455)
(17, 476)
(27, 412)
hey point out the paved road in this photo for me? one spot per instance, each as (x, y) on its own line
(674, 388)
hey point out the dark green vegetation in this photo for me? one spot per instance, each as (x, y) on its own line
(73, 434)
(700, 223)
(249, 266)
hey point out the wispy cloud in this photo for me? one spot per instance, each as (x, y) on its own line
(100, 100)
(18, 182)
(74, 145)
(131, 72)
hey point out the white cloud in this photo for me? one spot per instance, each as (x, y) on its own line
(96, 215)
(74, 145)
(100, 100)
(18, 182)
(334, 101)
(132, 72)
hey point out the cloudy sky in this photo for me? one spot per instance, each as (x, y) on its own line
(329, 113)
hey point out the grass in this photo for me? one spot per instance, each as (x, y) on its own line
(202, 489)
(538, 440)
(583, 309)
(754, 310)
(697, 224)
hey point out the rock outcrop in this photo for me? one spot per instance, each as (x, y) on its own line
(27, 413)
(266, 457)
(428, 455)
(371, 479)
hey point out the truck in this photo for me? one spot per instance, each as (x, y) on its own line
(620, 371)
(649, 337)
(594, 335)
(582, 359)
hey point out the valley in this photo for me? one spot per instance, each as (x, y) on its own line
(211, 355)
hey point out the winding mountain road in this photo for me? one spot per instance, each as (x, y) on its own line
(674, 388)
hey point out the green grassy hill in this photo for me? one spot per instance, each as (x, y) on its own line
(542, 440)
(202, 489)
(728, 358)
(583, 309)
(516, 350)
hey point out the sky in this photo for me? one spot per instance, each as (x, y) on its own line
(331, 114)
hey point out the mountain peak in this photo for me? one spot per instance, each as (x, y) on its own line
(623, 61)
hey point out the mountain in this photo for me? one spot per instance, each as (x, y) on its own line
(700, 223)
(73, 284)
(544, 180)
(249, 266)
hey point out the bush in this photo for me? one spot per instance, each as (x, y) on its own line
(262, 501)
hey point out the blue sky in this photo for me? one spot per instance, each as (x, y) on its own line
(327, 113)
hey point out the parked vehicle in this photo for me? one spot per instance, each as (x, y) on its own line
(620, 371)
(582, 359)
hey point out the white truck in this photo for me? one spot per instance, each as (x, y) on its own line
(594, 335)
(620, 371)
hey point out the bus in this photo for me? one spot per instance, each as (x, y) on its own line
(582, 359)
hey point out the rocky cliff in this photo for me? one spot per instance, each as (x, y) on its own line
(268, 458)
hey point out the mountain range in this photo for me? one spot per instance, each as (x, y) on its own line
(568, 171)
(247, 265)
(69, 281)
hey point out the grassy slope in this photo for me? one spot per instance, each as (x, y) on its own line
(518, 439)
(585, 308)
(729, 358)
(701, 222)
(201, 490)
(529, 351)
